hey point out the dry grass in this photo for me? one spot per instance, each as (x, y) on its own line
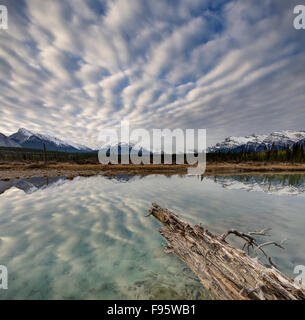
(256, 166)
(71, 170)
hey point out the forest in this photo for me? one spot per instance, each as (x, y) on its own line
(287, 154)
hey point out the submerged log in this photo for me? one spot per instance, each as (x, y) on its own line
(227, 272)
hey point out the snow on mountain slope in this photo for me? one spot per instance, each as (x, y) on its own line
(7, 142)
(280, 139)
(29, 139)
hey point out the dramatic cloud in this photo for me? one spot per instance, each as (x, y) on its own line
(72, 68)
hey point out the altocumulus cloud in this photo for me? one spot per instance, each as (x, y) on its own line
(72, 68)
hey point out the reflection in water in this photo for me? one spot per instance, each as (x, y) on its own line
(30, 185)
(273, 184)
(88, 238)
(33, 184)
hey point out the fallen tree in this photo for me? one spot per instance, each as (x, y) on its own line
(227, 272)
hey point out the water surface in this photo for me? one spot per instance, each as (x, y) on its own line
(88, 238)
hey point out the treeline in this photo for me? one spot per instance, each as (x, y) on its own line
(36, 155)
(287, 154)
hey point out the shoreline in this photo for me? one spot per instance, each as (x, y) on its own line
(26, 170)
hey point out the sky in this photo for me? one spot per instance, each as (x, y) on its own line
(74, 68)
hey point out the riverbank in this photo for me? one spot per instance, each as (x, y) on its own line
(26, 170)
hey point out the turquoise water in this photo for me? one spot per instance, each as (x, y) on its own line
(88, 238)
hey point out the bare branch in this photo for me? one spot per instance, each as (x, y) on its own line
(259, 247)
(245, 236)
(251, 242)
(261, 233)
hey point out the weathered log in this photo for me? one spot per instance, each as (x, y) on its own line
(227, 272)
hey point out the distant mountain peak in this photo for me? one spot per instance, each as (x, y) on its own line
(25, 132)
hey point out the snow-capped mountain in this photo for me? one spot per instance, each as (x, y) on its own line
(29, 139)
(136, 148)
(7, 142)
(280, 140)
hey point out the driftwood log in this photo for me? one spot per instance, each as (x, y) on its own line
(227, 272)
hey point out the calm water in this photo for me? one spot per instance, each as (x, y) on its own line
(88, 238)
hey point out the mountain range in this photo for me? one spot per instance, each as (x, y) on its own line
(28, 139)
(279, 139)
(254, 142)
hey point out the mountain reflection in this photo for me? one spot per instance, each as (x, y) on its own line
(34, 184)
(30, 185)
(292, 184)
